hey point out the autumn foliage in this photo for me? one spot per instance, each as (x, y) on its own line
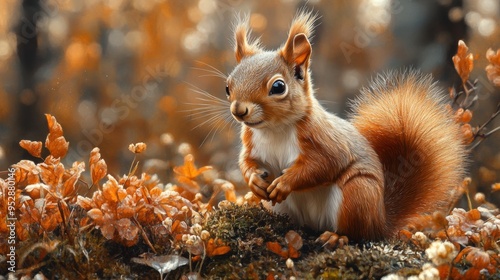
(124, 209)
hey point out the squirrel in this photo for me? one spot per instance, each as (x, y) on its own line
(398, 156)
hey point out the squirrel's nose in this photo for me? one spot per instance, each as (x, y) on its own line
(239, 111)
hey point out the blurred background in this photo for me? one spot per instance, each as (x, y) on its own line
(115, 72)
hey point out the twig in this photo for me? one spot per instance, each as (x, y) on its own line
(64, 222)
(143, 233)
(493, 116)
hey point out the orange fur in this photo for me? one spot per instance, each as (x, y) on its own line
(418, 143)
(400, 155)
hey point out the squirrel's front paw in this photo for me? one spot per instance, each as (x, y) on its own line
(258, 184)
(278, 190)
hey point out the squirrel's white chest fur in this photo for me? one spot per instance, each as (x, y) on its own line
(316, 207)
(276, 149)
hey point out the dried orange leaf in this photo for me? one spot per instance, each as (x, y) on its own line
(84, 202)
(33, 190)
(493, 69)
(33, 147)
(215, 250)
(292, 252)
(227, 187)
(55, 142)
(467, 133)
(125, 211)
(294, 239)
(110, 190)
(98, 170)
(189, 170)
(220, 251)
(474, 214)
(108, 230)
(466, 116)
(55, 129)
(51, 174)
(188, 184)
(404, 235)
(69, 186)
(127, 230)
(26, 170)
(58, 147)
(94, 156)
(96, 215)
(275, 247)
(463, 61)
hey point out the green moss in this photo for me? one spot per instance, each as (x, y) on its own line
(246, 229)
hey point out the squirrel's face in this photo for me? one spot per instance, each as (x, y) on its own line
(265, 91)
(271, 88)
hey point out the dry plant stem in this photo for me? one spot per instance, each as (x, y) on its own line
(469, 202)
(28, 270)
(490, 120)
(468, 88)
(203, 258)
(30, 249)
(64, 224)
(211, 202)
(190, 262)
(132, 168)
(483, 136)
(143, 233)
(80, 180)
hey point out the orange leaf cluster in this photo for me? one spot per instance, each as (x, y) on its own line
(493, 69)
(49, 188)
(470, 228)
(481, 264)
(55, 142)
(123, 205)
(461, 222)
(463, 117)
(186, 175)
(463, 61)
(294, 243)
(98, 167)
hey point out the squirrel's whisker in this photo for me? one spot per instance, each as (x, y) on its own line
(211, 70)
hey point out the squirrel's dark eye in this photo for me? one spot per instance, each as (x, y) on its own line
(278, 87)
(227, 91)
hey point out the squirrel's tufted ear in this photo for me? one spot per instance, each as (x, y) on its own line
(297, 48)
(244, 47)
(301, 49)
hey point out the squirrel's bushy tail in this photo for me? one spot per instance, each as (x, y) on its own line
(403, 117)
